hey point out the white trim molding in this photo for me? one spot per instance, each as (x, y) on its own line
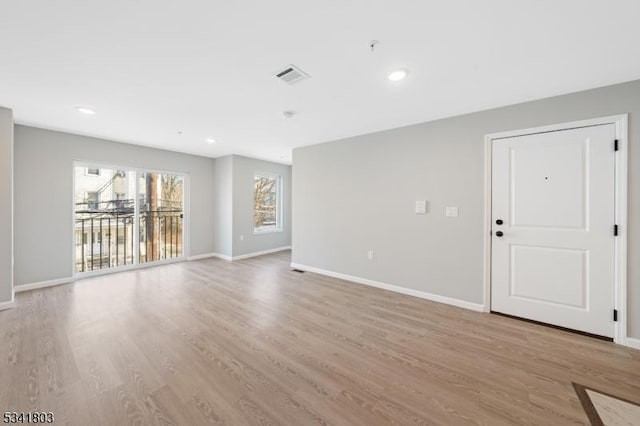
(621, 176)
(7, 305)
(239, 257)
(633, 342)
(43, 284)
(279, 202)
(201, 256)
(395, 288)
(261, 253)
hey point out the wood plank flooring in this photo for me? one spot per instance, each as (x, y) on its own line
(251, 342)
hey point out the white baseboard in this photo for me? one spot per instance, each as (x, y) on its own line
(7, 305)
(210, 255)
(633, 343)
(43, 284)
(260, 253)
(224, 257)
(202, 256)
(239, 257)
(408, 291)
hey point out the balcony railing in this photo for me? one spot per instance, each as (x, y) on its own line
(160, 235)
(104, 235)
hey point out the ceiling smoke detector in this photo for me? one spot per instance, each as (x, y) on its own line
(292, 75)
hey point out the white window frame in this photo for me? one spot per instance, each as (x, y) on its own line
(279, 226)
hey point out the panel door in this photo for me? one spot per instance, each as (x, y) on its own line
(552, 228)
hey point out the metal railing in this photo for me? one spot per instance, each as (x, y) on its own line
(104, 235)
(160, 235)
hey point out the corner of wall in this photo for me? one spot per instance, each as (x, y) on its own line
(223, 198)
(6, 208)
(244, 241)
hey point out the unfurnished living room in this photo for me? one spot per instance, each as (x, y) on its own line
(337, 213)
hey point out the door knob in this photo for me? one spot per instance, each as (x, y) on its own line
(499, 234)
(499, 222)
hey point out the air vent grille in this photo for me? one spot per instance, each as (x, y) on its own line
(292, 75)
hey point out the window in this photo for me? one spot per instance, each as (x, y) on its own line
(119, 201)
(92, 200)
(93, 172)
(266, 203)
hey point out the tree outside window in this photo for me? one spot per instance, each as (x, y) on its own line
(266, 203)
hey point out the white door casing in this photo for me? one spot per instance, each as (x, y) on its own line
(555, 193)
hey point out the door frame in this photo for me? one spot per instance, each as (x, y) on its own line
(621, 176)
(186, 229)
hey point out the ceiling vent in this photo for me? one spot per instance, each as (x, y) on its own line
(292, 75)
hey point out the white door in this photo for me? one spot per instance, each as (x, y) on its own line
(553, 228)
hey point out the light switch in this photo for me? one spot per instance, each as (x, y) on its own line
(421, 207)
(451, 212)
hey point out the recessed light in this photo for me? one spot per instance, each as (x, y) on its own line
(210, 140)
(397, 75)
(85, 110)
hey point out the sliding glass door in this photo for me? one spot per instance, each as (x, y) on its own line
(126, 217)
(161, 216)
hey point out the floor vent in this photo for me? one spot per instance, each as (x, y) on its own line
(292, 75)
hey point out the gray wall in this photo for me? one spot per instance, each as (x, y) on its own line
(223, 205)
(244, 170)
(358, 194)
(44, 195)
(6, 205)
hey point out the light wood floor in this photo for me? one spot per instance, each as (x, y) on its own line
(250, 342)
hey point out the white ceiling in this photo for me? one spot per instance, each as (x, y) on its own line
(151, 68)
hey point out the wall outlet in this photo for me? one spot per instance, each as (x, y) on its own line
(370, 254)
(241, 237)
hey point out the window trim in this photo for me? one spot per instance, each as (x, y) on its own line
(279, 217)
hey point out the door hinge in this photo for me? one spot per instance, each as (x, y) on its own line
(616, 146)
(615, 315)
(615, 230)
